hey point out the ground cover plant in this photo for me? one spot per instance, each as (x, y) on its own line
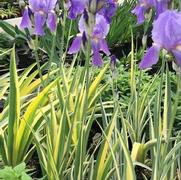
(91, 90)
(9, 9)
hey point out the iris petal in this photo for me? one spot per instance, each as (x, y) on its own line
(40, 20)
(104, 47)
(77, 7)
(139, 12)
(150, 58)
(82, 27)
(161, 6)
(51, 21)
(177, 55)
(76, 45)
(96, 59)
(101, 28)
(26, 22)
(34, 5)
(51, 4)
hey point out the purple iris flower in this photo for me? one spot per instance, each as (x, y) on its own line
(94, 25)
(43, 11)
(97, 37)
(144, 5)
(76, 8)
(166, 34)
(141, 8)
(104, 7)
(108, 10)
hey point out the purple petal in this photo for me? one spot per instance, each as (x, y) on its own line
(35, 5)
(101, 28)
(166, 29)
(139, 12)
(161, 6)
(42, 5)
(150, 58)
(51, 4)
(109, 9)
(40, 20)
(26, 22)
(51, 21)
(96, 59)
(77, 7)
(82, 27)
(76, 45)
(104, 47)
(177, 55)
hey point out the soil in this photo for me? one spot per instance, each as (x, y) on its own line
(141, 172)
(35, 166)
(1, 105)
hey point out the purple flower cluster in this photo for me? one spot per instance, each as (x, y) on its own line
(145, 5)
(104, 7)
(94, 25)
(166, 34)
(42, 12)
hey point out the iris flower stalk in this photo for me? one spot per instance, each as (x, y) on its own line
(39, 13)
(93, 27)
(36, 45)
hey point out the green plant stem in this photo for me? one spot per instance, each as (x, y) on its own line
(87, 79)
(37, 61)
(62, 39)
(52, 54)
(61, 68)
(67, 44)
(158, 101)
(133, 88)
(85, 109)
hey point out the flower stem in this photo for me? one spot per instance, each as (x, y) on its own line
(62, 37)
(85, 110)
(52, 54)
(38, 61)
(67, 44)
